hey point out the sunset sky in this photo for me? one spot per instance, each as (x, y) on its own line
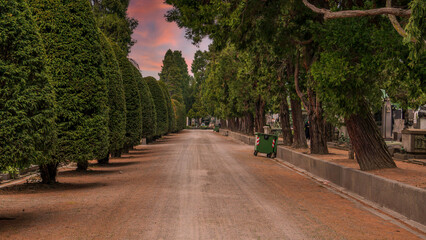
(155, 36)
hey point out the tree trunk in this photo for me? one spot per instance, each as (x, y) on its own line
(299, 140)
(368, 144)
(82, 166)
(260, 115)
(104, 160)
(285, 122)
(48, 173)
(249, 124)
(316, 125)
(116, 154)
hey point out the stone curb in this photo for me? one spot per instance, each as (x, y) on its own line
(402, 198)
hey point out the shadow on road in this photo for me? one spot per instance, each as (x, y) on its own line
(35, 188)
(74, 173)
(115, 164)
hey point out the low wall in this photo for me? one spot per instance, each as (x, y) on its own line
(404, 199)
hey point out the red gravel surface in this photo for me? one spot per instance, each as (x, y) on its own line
(192, 185)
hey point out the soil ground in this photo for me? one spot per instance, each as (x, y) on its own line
(192, 185)
(408, 173)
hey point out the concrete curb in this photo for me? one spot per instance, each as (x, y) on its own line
(404, 199)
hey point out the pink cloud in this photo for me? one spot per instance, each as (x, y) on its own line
(155, 36)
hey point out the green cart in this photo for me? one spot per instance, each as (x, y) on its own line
(266, 143)
(216, 129)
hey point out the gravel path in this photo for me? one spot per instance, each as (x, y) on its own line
(192, 185)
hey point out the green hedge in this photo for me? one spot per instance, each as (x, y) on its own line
(170, 111)
(149, 116)
(133, 100)
(73, 48)
(180, 114)
(116, 97)
(160, 106)
(27, 127)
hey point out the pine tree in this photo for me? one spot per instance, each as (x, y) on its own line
(72, 44)
(133, 101)
(170, 111)
(116, 100)
(149, 118)
(27, 127)
(160, 106)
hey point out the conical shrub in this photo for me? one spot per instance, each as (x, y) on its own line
(149, 117)
(116, 100)
(27, 118)
(160, 106)
(170, 111)
(133, 101)
(73, 47)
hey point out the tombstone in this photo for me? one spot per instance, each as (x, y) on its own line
(414, 140)
(387, 119)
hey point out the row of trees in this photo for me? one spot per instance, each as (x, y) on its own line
(331, 58)
(68, 91)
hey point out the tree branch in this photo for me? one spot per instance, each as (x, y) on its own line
(295, 41)
(296, 84)
(358, 13)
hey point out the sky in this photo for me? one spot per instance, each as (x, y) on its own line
(155, 36)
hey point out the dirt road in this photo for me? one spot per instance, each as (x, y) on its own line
(192, 185)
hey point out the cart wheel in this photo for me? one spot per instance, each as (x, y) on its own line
(274, 155)
(268, 155)
(255, 153)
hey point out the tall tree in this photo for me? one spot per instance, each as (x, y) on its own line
(72, 44)
(149, 115)
(112, 18)
(170, 112)
(133, 101)
(116, 100)
(27, 117)
(160, 106)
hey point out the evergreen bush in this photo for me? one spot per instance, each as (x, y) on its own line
(27, 118)
(133, 101)
(72, 43)
(116, 100)
(149, 118)
(170, 112)
(160, 106)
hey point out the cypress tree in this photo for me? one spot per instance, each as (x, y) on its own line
(149, 118)
(116, 100)
(133, 101)
(180, 114)
(73, 48)
(170, 113)
(27, 118)
(160, 106)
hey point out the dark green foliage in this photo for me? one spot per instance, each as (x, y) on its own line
(27, 127)
(180, 114)
(174, 73)
(112, 18)
(133, 100)
(160, 106)
(73, 48)
(170, 111)
(149, 117)
(116, 97)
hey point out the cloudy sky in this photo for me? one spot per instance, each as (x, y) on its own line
(155, 36)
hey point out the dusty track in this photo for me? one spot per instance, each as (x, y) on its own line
(193, 185)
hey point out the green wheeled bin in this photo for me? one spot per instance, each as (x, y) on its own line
(266, 143)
